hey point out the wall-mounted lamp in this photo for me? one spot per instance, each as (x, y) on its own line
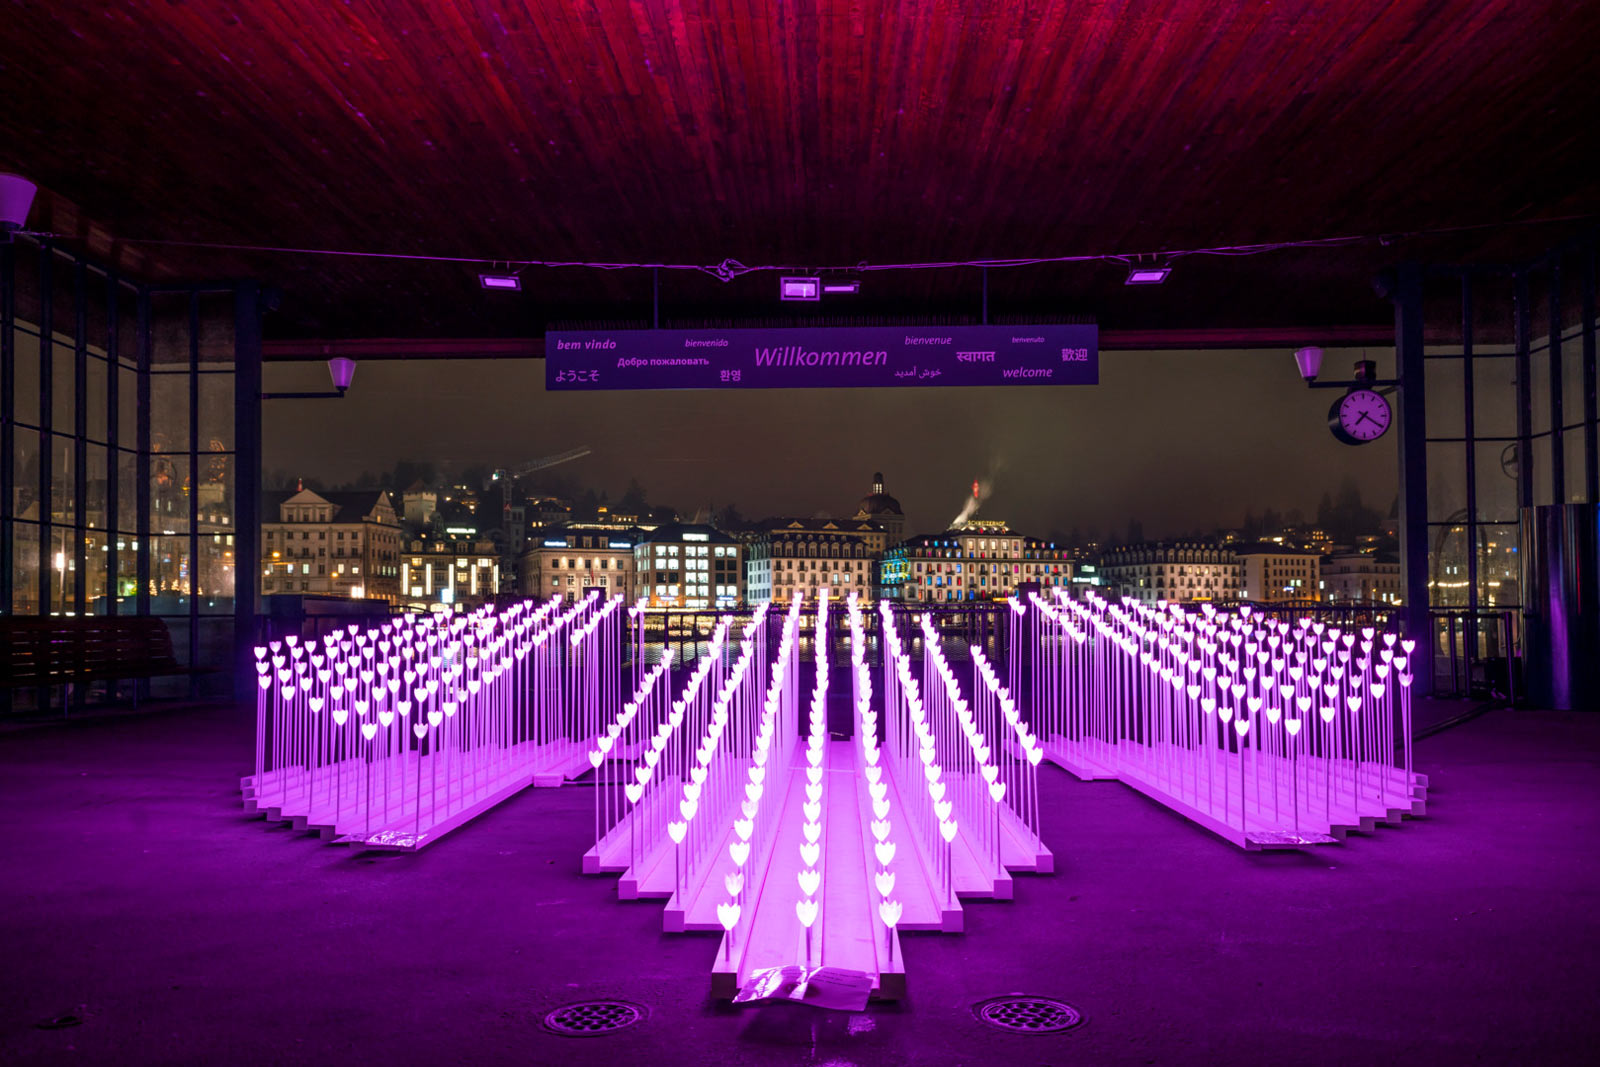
(342, 369)
(16, 197)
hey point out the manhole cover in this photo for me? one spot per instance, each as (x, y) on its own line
(1028, 1015)
(592, 1018)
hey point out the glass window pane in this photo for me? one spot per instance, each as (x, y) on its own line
(95, 396)
(25, 568)
(169, 493)
(96, 557)
(63, 504)
(169, 575)
(25, 402)
(95, 485)
(63, 387)
(169, 412)
(1447, 493)
(127, 491)
(127, 408)
(216, 412)
(215, 576)
(25, 475)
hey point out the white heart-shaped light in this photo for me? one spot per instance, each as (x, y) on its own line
(996, 791)
(812, 830)
(809, 880)
(687, 808)
(435, 718)
(806, 911)
(884, 850)
(880, 829)
(884, 880)
(811, 852)
(744, 828)
(728, 915)
(692, 790)
(643, 774)
(420, 729)
(942, 808)
(596, 757)
(990, 772)
(739, 852)
(936, 791)
(814, 791)
(677, 831)
(880, 809)
(733, 882)
(813, 811)
(889, 911)
(752, 791)
(1292, 725)
(634, 792)
(386, 717)
(697, 775)
(369, 730)
(874, 773)
(1035, 755)
(1242, 726)
(947, 830)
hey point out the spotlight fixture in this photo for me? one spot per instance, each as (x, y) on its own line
(1309, 361)
(16, 196)
(851, 286)
(500, 281)
(800, 288)
(1147, 275)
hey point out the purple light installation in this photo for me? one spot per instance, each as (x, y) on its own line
(1270, 734)
(392, 736)
(809, 853)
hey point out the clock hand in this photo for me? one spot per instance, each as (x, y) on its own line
(1366, 418)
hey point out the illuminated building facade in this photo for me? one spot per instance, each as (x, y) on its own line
(689, 565)
(1361, 578)
(983, 559)
(570, 558)
(333, 544)
(1173, 571)
(836, 558)
(1274, 573)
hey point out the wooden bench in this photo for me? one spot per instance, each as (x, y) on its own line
(41, 651)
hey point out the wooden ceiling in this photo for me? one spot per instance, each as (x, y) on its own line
(799, 131)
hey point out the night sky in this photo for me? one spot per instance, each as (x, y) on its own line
(1178, 440)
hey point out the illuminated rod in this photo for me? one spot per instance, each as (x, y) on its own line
(391, 736)
(750, 831)
(1270, 734)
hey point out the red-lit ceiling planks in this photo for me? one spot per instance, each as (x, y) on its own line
(801, 131)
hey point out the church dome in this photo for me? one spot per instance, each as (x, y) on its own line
(879, 502)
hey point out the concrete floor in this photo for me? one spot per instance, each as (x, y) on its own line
(138, 898)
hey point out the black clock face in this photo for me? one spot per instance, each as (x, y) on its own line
(1363, 416)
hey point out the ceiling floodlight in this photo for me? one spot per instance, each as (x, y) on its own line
(1147, 275)
(500, 281)
(851, 286)
(799, 288)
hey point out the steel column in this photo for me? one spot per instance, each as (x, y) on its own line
(247, 481)
(1411, 364)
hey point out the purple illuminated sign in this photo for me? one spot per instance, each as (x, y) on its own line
(823, 357)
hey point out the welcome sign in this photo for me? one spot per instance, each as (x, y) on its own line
(850, 357)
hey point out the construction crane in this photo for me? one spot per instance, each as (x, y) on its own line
(540, 464)
(508, 478)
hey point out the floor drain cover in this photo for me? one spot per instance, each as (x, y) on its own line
(1028, 1015)
(592, 1018)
